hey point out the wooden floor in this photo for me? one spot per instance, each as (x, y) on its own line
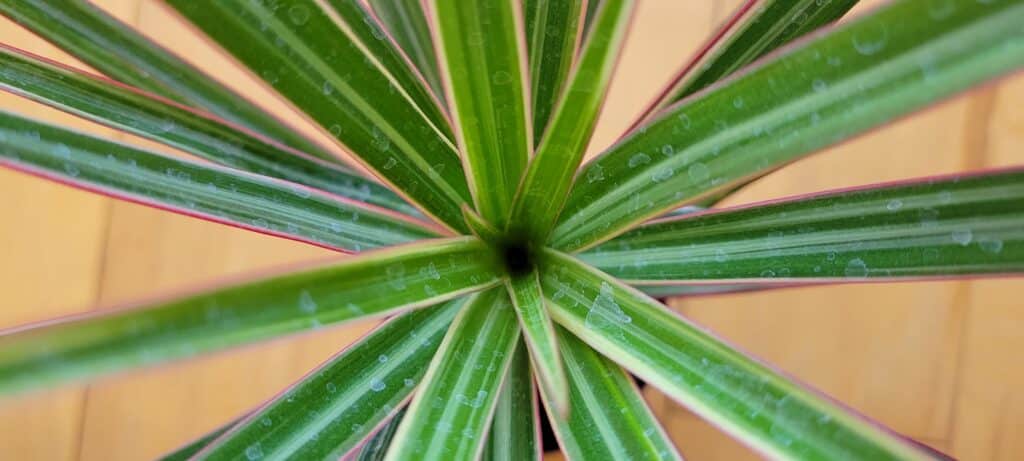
(938, 361)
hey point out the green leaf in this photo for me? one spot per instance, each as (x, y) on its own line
(549, 175)
(479, 227)
(377, 447)
(189, 450)
(130, 110)
(407, 24)
(515, 430)
(667, 291)
(761, 407)
(483, 67)
(959, 225)
(553, 31)
(333, 409)
(115, 49)
(757, 28)
(539, 333)
(313, 55)
(372, 285)
(609, 418)
(450, 414)
(818, 92)
(214, 193)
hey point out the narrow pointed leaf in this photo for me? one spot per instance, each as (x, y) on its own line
(330, 411)
(372, 285)
(959, 225)
(406, 21)
(553, 31)
(515, 430)
(314, 57)
(609, 418)
(761, 407)
(450, 414)
(851, 78)
(190, 449)
(209, 192)
(131, 110)
(667, 291)
(755, 29)
(539, 334)
(376, 448)
(482, 60)
(479, 227)
(550, 172)
(115, 49)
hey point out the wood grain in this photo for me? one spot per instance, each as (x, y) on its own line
(936, 361)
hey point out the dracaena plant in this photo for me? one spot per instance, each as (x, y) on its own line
(511, 274)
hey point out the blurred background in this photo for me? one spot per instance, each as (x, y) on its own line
(937, 361)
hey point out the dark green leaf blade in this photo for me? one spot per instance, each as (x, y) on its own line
(312, 56)
(850, 79)
(609, 418)
(483, 68)
(88, 33)
(959, 225)
(450, 414)
(761, 407)
(549, 174)
(333, 409)
(406, 21)
(515, 430)
(539, 335)
(553, 31)
(205, 191)
(128, 109)
(371, 285)
(757, 28)
(376, 448)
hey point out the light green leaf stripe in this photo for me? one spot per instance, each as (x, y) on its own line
(761, 407)
(372, 285)
(553, 31)
(483, 68)
(759, 27)
(312, 56)
(515, 430)
(958, 225)
(539, 333)
(330, 411)
(480, 228)
(549, 174)
(215, 193)
(115, 49)
(376, 448)
(130, 110)
(449, 417)
(864, 73)
(609, 418)
(407, 24)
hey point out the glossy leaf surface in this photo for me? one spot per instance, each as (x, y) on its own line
(539, 335)
(761, 407)
(972, 224)
(139, 113)
(311, 55)
(214, 193)
(515, 430)
(549, 175)
(482, 63)
(331, 410)
(755, 29)
(817, 92)
(451, 413)
(115, 49)
(406, 21)
(553, 31)
(609, 418)
(372, 285)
